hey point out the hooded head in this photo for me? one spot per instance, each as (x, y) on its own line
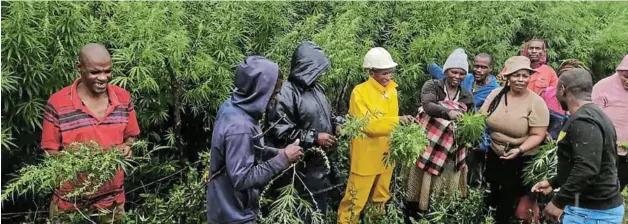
(255, 80)
(308, 63)
(622, 72)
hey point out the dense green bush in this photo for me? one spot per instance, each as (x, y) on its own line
(177, 59)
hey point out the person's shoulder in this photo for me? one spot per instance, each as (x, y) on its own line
(547, 69)
(230, 120)
(431, 83)
(496, 91)
(603, 82)
(121, 93)
(61, 97)
(358, 89)
(535, 98)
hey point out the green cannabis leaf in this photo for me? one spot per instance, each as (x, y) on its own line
(86, 165)
(407, 143)
(543, 165)
(469, 129)
(623, 145)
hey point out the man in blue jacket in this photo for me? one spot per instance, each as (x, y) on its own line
(238, 171)
(480, 83)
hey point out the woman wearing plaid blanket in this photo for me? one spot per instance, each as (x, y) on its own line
(442, 166)
(518, 120)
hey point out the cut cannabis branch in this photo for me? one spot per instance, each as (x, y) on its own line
(407, 143)
(469, 129)
(543, 166)
(86, 165)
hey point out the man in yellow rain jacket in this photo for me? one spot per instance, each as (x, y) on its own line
(370, 177)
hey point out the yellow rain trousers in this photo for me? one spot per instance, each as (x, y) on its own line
(369, 179)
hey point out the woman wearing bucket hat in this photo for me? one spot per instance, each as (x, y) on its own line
(518, 120)
(369, 179)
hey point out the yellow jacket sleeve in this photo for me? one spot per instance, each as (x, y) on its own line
(378, 125)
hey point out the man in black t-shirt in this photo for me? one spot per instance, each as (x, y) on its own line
(587, 158)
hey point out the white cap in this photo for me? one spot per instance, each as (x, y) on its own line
(378, 58)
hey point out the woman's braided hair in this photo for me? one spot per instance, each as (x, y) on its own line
(498, 98)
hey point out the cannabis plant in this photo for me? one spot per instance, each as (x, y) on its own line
(286, 207)
(86, 165)
(177, 61)
(407, 143)
(339, 156)
(543, 165)
(469, 129)
(451, 207)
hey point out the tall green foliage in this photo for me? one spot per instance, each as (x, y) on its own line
(178, 59)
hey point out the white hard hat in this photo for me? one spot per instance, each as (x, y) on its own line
(378, 58)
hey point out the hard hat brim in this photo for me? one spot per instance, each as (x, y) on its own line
(388, 66)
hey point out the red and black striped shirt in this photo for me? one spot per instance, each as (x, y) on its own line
(68, 120)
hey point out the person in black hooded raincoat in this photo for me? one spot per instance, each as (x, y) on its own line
(302, 112)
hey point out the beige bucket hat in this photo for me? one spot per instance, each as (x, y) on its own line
(516, 63)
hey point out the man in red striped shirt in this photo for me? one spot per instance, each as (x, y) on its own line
(91, 110)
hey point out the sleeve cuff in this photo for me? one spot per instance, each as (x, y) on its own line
(309, 139)
(553, 183)
(282, 159)
(558, 202)
(395, 120)
(132, 133)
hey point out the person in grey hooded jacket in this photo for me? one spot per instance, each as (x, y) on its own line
(302, 112)
(238, 171)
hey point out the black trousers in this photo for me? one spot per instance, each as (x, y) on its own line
(505, 184)
(622, 171)
(476, 161)
(321, 205)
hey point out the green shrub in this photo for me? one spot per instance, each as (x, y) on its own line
(177, 60)
(407, 143)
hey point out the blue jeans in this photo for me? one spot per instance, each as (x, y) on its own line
(575, 215)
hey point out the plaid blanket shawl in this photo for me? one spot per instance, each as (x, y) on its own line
(440, 133)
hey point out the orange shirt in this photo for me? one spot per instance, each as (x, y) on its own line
(543, 77)
(67, 120)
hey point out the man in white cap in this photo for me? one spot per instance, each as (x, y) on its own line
(377, 97)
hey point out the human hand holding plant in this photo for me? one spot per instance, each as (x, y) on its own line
(406, 119)
(294, 152)
(325, 140)
(454, 115)
(127, 151)
(542, 187)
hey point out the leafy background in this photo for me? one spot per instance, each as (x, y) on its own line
(178, 59)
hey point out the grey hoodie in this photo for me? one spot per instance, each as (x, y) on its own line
(238, 148)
